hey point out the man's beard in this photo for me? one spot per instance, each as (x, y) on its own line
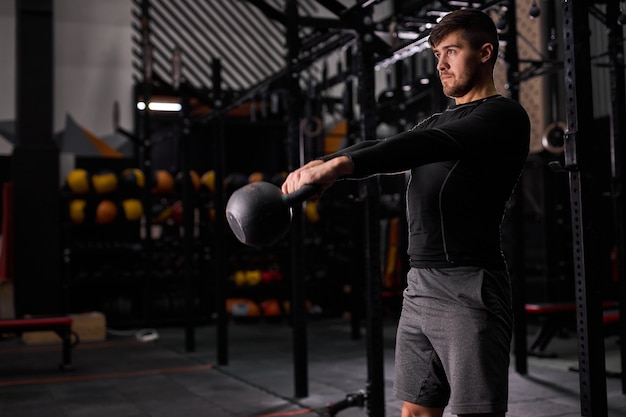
(461, 86)
(456, 90)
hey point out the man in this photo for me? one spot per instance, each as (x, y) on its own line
(455, 329)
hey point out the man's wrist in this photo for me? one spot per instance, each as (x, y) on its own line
(344, 165)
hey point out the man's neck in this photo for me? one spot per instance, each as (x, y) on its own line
(477, 93)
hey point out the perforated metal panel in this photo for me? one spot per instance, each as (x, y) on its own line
(533, 91)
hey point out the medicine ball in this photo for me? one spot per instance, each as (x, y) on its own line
(271, 308)
(106, 212)
(132, 179)
(234, 181)
(132, 209)
(77, 211)
(208, 180)
(161, 211)
(242, 307)
(177, 212)
(279, 178)
(77, 181)
(256, 176)
(195, 181)
(163, 182)
(104, 182)
(311, 211)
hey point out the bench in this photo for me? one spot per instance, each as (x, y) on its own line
(557, 316)
(60, 325)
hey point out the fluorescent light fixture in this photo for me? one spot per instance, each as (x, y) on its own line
(159, 106)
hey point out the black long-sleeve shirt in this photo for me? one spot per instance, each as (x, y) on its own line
(464, 163)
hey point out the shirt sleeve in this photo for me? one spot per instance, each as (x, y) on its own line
(493, 129)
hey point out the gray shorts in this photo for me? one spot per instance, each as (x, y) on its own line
(453, 340)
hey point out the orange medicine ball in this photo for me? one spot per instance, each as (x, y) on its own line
(256, 176)
(106, 212)
(195, 180)
(163, 182)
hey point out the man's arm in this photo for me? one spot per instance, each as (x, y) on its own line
(322, 173)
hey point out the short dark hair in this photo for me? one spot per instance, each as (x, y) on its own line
(476, 27)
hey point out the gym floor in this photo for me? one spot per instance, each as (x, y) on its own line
(125, 377)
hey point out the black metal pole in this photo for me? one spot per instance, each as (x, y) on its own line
(356, 281)
(298, 298)
(579, 147)
(618, 99)
(217, 252)
(516, 213)
(143, 130)
(35, 165)
(188, 224)
(370, 194)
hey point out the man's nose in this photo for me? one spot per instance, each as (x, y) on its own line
(442, 64)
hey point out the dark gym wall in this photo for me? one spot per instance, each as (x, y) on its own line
(35, 166)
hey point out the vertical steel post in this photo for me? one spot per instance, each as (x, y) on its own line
(144, 150)
(298, 299)
(370, 194)
(618, 98)
(188, 222)
(217, 250)
(355, 300)
(578, 151)
(35, 165)
(516, 213)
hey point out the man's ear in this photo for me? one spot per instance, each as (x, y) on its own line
(486, 52)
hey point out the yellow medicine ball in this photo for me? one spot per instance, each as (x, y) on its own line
(208, 180)
(77, 181)
(77, 210)
(104, 182)
(133, 209)
(311, 212)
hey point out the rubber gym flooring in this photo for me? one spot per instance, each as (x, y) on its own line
(124, 377)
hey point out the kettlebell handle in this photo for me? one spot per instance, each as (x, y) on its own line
(302, 194)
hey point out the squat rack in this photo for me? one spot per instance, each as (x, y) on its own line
(585, 217)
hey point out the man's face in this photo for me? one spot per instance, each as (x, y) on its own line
(458, 65)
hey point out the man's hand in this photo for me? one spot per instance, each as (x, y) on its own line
(318, 172)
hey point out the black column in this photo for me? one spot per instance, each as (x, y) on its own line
(298, 291)
(35, 166)
(516, 214)
(586, 222)
(370, 194)
(219, 253)
(618, 128)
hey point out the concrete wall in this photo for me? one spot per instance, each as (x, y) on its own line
(92, 63)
